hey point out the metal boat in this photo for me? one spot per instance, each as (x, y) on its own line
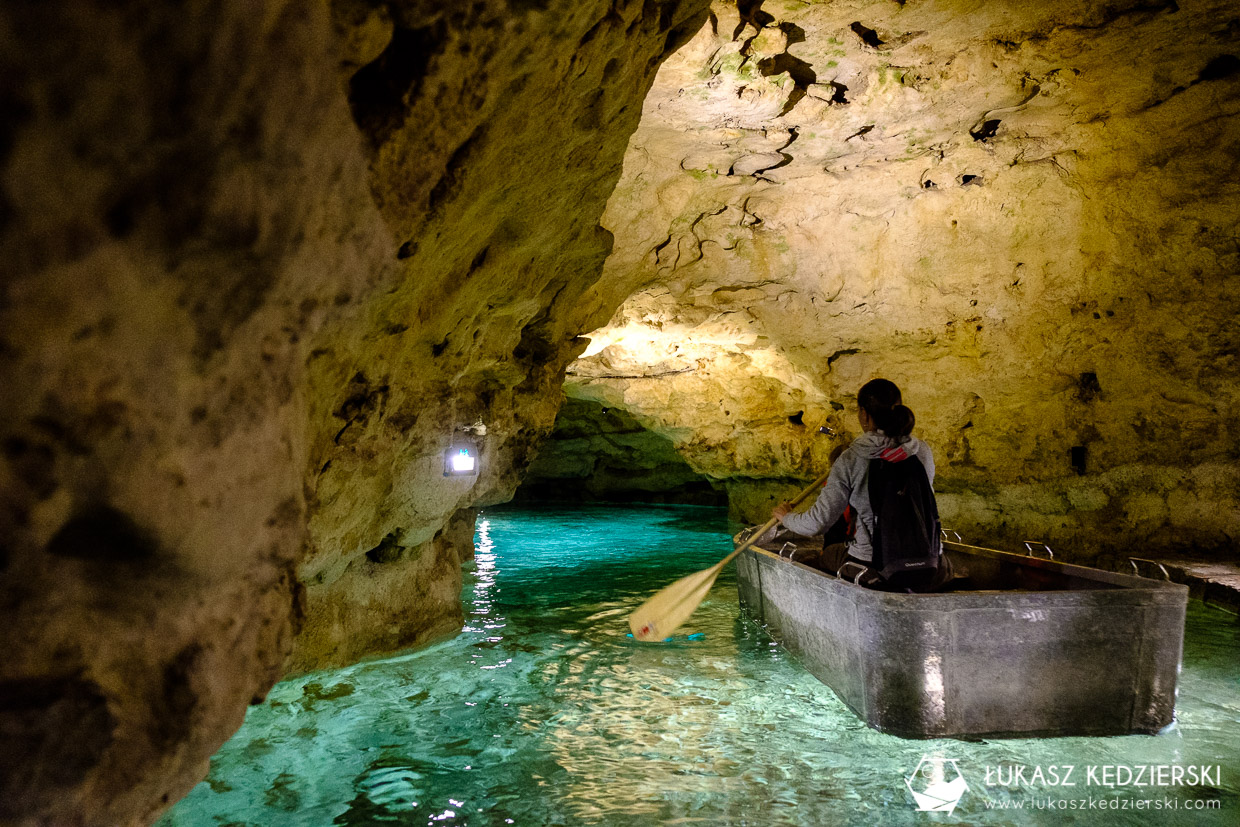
(1015, 646)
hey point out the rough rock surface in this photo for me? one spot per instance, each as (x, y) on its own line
(1023, 213)
(258, 262)
(496, 236)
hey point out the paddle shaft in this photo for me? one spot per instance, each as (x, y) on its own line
(663, 613)
(753, 538)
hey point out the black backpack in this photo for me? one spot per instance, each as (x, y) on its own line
(906, 533)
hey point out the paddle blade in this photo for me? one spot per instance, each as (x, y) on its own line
(660, 616)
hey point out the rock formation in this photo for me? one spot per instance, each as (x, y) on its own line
(261, 260)
(1024, 214)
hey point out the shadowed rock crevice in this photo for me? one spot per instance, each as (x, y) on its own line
(379, 92)
(868, 36)
(458, 165)
(103, 534)
(388, 551)
(750, 12)
(1223, 66)
(839, 92)
(802, 74)
(986, 130)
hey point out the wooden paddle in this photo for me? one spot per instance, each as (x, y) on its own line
(660, 616)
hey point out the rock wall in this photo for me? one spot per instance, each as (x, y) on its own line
(1024, 214)
(258, 262)
(490, 160)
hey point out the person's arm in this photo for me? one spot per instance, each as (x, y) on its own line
(927, 459)
(824, 512)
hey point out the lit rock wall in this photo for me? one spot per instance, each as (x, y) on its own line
(258, 261)
(1023, 213)
(494, 139)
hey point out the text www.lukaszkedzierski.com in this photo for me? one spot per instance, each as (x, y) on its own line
(1091, 803)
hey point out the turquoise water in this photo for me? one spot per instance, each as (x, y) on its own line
(543, 712)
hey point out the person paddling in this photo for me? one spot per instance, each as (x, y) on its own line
(874, 465)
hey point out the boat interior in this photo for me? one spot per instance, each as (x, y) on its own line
(982, 570)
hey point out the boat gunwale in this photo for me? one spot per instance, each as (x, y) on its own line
(1148, 589)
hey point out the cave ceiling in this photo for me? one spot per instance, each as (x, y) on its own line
(1024, 214)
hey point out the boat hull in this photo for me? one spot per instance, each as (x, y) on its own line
(1088, 653)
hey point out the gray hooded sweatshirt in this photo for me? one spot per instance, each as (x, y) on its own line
(848, 485)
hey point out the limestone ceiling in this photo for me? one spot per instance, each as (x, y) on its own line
(1011, 209)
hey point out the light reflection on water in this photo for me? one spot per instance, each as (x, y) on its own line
(543, 711)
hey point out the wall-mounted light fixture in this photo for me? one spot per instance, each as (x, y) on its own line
(461, 458)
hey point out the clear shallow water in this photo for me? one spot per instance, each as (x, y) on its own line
(543, 711)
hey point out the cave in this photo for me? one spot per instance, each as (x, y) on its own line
(603, 454)
(343, 343)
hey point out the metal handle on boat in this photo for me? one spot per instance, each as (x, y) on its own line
(1029, 548)
(857, 577)
(788, 547)
(1132, 561)
(956, 534)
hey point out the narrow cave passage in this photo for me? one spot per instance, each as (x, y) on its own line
(602, 453)
(268, 268)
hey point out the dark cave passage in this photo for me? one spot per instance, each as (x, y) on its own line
(598, 453)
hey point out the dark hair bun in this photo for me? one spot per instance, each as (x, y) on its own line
(898, 422)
